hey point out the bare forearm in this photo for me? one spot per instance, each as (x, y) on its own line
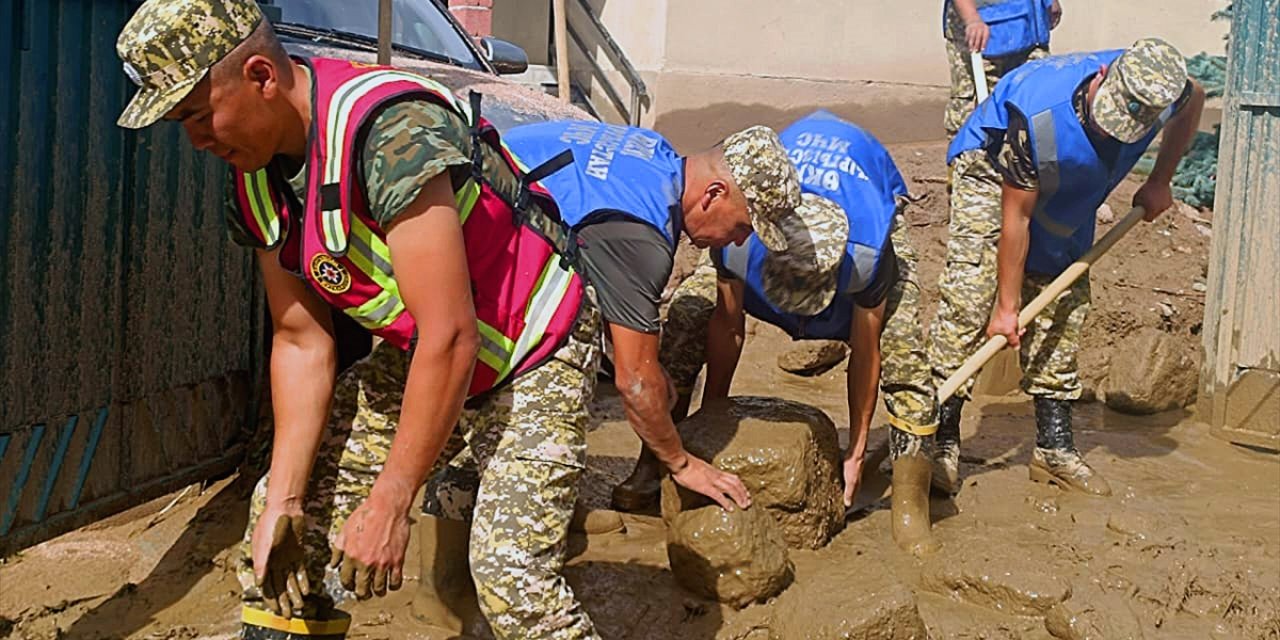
(724, 348)
(643, 389)
(863, 387)
(1015, 237)
(301, 388)
(1178, 136)
(434, 392)
(967, 9)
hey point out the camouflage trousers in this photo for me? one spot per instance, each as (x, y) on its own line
(964, 91)
(529, 442)
(516, 480)
(905, 381)
(967, 290)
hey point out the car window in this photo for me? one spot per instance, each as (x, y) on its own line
(415, 23)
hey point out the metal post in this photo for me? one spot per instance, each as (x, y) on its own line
(384, 32)
(562, 49)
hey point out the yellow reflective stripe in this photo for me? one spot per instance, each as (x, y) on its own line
(264, 209)
(298, 626)
(371, 255)
(379, 311)
(466, 198)
(552, 285)
(495, 348)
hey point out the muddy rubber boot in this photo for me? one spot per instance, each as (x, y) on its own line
(946, 447)
(910, 500)
(641, 489)
(1056, 460)
(446, 597)
(595, 521)
(259, 624)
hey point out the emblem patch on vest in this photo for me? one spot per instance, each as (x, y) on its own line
(330, 274)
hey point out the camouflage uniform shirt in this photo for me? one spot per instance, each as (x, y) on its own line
(1015, 161)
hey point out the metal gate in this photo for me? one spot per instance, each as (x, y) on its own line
(128, 323)
(1240, 377)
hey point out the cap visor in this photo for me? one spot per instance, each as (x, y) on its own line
(150, 105)
(770, 234)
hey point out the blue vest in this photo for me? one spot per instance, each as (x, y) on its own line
(1015, 25)
(1074, 180)
(838, 161)
(623, 170)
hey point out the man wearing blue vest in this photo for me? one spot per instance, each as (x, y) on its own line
(1031, 167)
(1007, 32)
(628, 196)
(847, 273)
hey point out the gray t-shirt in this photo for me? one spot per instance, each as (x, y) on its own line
(629, 262)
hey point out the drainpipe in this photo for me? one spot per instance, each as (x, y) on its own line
(562, 49)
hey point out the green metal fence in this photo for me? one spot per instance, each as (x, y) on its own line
(128, 323)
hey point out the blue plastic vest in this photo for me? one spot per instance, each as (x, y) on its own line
(838, 161)
(626, 170)
(1015, 25)
(1074, 180)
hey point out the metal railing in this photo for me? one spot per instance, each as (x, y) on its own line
(639, 93)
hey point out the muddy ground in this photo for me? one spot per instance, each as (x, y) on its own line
(1188, 547)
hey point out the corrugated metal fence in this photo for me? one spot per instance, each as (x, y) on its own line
(128, 323)
(1240, 377)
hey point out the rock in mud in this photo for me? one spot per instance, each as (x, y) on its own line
(813, 357)
(1098, 616)
(863, 605)
(1015, 584)
(1149, 374)
(787, 455)
(736, 557)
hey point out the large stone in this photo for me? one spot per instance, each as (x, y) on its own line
(787, 455)
(1150, 373)
(813, 357)
(1009, 584)
(736, 557)
(849, 601)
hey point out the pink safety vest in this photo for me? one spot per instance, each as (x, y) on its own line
(526, 291)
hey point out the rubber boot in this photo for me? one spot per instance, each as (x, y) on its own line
(259, 624)
(1056, 460)
(446, 597)
(910, 505)
(595, 521)
(946, 447)
(641, 489)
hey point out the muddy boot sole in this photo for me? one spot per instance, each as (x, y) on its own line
(1043, 475)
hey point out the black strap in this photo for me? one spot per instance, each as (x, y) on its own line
(477, 151)
(556, 163)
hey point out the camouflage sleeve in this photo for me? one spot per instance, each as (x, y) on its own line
(1015, 161)
(236, 230)
(408, 144)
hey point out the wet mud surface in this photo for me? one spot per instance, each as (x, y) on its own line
(1187, 547)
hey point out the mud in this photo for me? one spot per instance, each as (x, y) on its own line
(736, 557)
(1188, 547)
(786, 453)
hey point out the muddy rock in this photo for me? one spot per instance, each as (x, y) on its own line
(736, 557)
(869, 605)
(1150, 373)
(1096, 616)
(787, 455)
(813, 357)
(1012, 584)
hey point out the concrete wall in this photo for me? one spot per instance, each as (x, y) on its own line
(715, 65)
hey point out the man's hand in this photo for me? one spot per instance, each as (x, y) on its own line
(1155, 197)
(279, 562)
(725, 488)
(1005, 323)
(369, 551)
(852, 474)
(1055, 14)
(976, 35)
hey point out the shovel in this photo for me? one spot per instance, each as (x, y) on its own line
(979, 76)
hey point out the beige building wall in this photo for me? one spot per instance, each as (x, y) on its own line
(713, 66)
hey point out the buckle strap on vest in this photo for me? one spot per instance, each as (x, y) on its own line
(562, 238)
(477, 151)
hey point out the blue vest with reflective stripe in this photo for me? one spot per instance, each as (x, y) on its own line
(838, 161)
(626, 170)
(1074, 180)
(1015, 25)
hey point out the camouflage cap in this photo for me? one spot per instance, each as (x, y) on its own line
(764, 173)
(1147, 78)
(169, 45)
(802, 279)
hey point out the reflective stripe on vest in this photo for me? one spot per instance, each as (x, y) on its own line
(1042, 127)
(259, 195)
